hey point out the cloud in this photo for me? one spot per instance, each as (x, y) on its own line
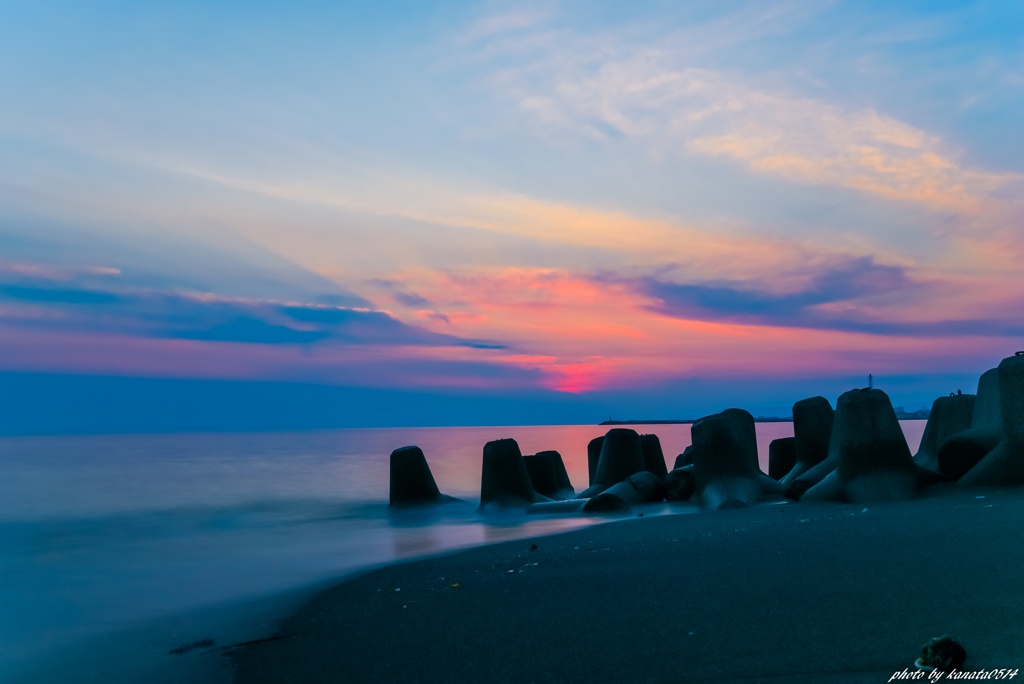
(375, 327)
(847, 280)
(653, 94)
(394, 289)
(74, 351)
(623, 237)
(588, 332)
(205, 316)
(42, 294)
(409, 299)
(253, 331)
(434, 316)
(503, 22)
(853, 295)
(52, 272)
(560, 330)
(607, 88)
(347, 299)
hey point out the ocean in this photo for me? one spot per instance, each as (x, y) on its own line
(105, 535)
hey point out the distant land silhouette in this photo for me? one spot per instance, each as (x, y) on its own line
(920, 414)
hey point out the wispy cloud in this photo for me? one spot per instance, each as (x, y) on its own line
(553, 195)
(409, 299)
(657, 92)
(565, 331)
(434, 316)
(252, 331)
(63, 296)
(633, 239)
(857, 295)
(504, 20)
(209, 317)
(50, 272)
(588, 331)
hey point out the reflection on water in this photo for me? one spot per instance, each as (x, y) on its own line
(411, 543)
(99, 532)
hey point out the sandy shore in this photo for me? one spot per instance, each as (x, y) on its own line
(787, 593)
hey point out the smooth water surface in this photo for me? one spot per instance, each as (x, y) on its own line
(100, 533)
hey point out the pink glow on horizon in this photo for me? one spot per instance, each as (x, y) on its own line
(577, 377)
(591, 373)
(584, 335)
(540, 328)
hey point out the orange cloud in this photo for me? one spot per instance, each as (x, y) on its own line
(655, 95)
(896, 172)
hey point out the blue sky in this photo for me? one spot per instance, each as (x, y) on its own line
(583, 206)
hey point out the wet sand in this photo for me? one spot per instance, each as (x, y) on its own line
(794, 592)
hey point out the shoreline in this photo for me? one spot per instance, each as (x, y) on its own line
(792, 592)
(140, 649)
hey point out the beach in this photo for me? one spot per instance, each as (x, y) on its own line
(522, 342)
(788, 592)
(117, 549)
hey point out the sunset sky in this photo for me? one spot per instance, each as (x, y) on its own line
(459, 212)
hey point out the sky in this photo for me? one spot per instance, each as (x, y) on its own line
(357, 214)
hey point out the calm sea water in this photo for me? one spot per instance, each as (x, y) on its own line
(102, 533)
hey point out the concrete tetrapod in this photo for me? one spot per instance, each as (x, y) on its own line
(964, 450)
(639, 488)
(654, 457)
(548, 475)
(684, 459)
(680, 484)
(412, 483)
(781, 457)
(504, 480)
(1004, 465)
(621, 456)
(593, 456)
(556, 507)
(873, 461)
(724, 474)
(561, 474)
(746, 432)
(812, 432)
(949, 415)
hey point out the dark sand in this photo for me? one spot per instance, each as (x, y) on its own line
(781, 593)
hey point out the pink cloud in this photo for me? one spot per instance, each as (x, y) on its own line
(433, 316)
(561, 331)
(581, 334)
